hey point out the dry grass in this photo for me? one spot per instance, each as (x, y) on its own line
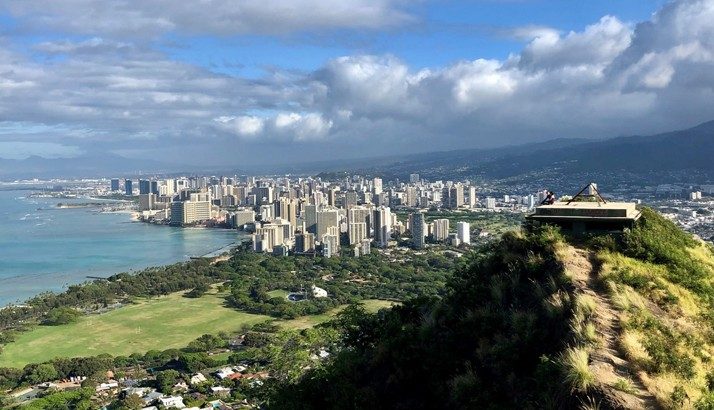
(575, 365)
(624, 297)
(631, 344)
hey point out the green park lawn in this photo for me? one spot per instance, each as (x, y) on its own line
(279, 293)
(160, 323)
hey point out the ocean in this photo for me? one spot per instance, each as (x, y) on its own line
(45, 248)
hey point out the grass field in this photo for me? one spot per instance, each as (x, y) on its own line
(161, 323)
(279, 293)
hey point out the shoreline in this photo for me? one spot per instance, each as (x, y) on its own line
(89, 278)
(22, 285)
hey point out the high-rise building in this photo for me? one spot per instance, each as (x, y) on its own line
(326, 219)
(146, 201)
(304, 242)
(463, 232)
(350, 199)
(155, 187)
(377, 186)
(456, 196)
(264, 194)
(358, 214)
(267, 212)
(115, 184)
(414, 178)
(473, 199)
(441, 229)
(187, 212)
(242, 217)
(490, 203)
(311, 218)
(330, 245)
(267, 237)
(357, 232)
(144, 186)
(284, 224)
(382, 226)
(332, 197)
(128, 188)
(412, 199)
(287, 209)
(418, 226)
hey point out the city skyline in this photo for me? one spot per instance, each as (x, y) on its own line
(358, 80)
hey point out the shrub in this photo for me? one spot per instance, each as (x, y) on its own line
(678, 396)
(61, 316)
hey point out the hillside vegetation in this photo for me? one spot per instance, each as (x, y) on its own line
(538, 320)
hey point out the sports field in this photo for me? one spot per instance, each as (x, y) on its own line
(161, 323)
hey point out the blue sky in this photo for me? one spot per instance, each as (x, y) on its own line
(269, 81)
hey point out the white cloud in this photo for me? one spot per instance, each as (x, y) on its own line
(611, 78)
(597, 45)
(221, 17)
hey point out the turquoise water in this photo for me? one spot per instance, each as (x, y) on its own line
(44, 248)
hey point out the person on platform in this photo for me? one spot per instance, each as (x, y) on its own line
(549, 199)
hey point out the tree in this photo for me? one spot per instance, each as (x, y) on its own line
(132, 402)
(198, 291)
(166, 380)
(61, 316)
(40, 373)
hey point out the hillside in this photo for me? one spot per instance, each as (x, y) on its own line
(675, 151)
(539, 321)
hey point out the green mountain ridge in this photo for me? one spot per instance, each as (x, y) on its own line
(539, 320)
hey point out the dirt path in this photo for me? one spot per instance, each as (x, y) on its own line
(607, 363)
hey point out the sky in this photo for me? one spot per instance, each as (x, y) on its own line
(248, 82)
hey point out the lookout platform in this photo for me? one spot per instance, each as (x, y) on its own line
(587, 212)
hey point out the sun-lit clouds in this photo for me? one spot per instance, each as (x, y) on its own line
(284, 126)
(609, 78)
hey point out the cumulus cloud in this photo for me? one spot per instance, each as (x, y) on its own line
(284, 126)
(611, 78)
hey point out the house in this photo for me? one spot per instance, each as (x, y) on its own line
(197, 378)
(224, 372)
(108, 385)
(151, 397)
(172, 401)
(139, 391)
(220, 391)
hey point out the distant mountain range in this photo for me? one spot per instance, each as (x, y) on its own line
(87, 165)
(676, 151)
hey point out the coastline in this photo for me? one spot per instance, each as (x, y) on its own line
(54, 248)
(214, 254)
